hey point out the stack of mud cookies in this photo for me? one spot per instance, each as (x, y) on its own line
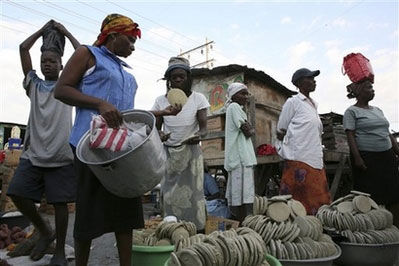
(166, 233)
(287, 231)
(357, 217)
(241, 246)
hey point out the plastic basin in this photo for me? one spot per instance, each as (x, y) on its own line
(328, 261)
(369, 254)
(270, 259)
(15, 220)
(150, 255)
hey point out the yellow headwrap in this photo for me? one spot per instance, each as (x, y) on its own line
(116, 23)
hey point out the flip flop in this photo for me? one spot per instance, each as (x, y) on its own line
(40, 248)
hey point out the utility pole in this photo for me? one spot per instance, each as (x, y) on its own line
(208, 45)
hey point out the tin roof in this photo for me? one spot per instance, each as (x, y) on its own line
(248, 72)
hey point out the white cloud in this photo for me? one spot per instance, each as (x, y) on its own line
(340, 22)
(332, 43)
(235, 26)
(298, 51)
(377, 26)
(286, 20)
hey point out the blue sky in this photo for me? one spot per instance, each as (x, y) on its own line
(276, 37)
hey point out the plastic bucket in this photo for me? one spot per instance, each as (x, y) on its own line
(130, 173)
(150, 255)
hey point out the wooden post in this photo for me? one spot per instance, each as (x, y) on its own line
(251, 117)
(338, 174)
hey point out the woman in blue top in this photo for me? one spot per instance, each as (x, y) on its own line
(374, 151)
(94, 80)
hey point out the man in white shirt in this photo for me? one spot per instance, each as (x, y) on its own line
(299, 130)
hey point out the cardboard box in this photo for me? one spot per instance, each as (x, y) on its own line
(12, 157)
(219, 224)
(212, 145)
(216, 123)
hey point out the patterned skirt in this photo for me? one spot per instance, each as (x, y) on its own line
(306, 184)
(183, 186)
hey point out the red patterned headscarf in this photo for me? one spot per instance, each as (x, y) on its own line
(116, 23)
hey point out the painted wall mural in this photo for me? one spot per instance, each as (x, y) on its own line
(215, 88)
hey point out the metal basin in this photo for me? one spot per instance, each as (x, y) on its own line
(129, 173)
(369, 254)
(328, 261)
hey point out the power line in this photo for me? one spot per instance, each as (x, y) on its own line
(171, 40)
(152, 43)
(63, 9)
(188, 38)
(12, 29)
(27, 23)
(44, 14)
(35, 11)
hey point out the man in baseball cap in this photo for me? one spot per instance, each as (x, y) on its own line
(303, 73)
(299, 134)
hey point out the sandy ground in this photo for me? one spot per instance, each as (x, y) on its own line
(103, 249)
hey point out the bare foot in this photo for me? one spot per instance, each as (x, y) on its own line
(41, 246)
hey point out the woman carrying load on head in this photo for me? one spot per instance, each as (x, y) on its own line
(299, 129)
(95, 81)
(374, 151)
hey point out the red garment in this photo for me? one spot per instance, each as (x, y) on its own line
(306, 184)
(266, 149)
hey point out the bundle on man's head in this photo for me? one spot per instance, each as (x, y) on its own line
(116, 23)
(53, 40)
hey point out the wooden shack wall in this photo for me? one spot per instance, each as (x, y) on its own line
(268, 103)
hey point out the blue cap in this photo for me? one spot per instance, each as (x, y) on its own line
(303, 73)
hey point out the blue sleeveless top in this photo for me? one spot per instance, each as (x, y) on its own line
(110, 82)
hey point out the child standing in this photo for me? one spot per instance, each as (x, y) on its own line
(46, 162)
(239, 156)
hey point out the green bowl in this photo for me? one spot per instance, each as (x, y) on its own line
(270, 259)
(273, 261)
(150, 255)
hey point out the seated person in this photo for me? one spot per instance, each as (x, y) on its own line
(215, 205)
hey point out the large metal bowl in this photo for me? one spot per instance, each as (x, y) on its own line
(328, 261)
(369, 254)
(128, 173)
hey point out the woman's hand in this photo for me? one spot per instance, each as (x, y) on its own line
(163, 136)
(359, 163)
(247, 129)
(111, 115)
(281, 133)
(172, 110)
